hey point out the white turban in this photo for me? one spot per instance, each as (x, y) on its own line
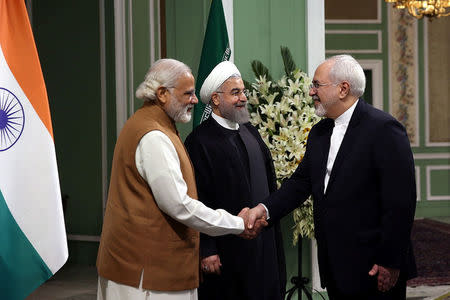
(218, 75)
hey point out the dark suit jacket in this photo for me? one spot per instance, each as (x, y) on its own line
(366, 214)
(222, 183)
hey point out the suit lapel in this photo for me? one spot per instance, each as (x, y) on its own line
(349, 140)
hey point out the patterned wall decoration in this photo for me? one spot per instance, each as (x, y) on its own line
(403, 71)
(438, 48)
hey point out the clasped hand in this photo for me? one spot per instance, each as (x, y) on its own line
(254, 221)
(386, 277)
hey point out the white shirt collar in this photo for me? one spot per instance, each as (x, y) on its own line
(344, 119)
(225, 122)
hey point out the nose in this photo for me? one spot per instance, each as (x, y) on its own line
(312, 91)
(194, 100)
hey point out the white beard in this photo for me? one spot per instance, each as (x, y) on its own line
(183, 115)
(179, 112)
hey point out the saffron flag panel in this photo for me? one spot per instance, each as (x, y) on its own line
(33, 243)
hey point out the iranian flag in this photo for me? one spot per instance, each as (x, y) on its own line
(216, 48)
(33, 243)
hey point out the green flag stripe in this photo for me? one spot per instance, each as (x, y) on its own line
(215, 49)
(22, 270)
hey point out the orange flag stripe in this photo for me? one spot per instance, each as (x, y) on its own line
(17, 42)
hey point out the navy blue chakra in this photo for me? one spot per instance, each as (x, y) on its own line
(12, 119)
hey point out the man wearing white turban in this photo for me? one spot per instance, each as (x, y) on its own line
(234, 169)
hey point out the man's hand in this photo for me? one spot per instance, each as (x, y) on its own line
(211, 264)
(257, 225)
(387, 277)
(254, 214)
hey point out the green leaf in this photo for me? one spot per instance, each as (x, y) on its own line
(260, 70)
(288, 61)
(247, 85)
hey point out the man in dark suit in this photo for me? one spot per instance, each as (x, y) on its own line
(234, 169)
(359, 168)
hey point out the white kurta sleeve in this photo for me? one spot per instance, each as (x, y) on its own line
(158, 163)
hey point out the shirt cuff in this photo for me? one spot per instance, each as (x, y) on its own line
(267, 211)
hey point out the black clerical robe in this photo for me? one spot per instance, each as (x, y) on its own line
(252, 269)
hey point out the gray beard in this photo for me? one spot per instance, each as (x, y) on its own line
(231, 113)
(320, 110)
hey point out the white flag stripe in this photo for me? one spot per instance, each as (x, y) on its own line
(29, 182)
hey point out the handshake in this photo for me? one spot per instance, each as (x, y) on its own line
(254, 221)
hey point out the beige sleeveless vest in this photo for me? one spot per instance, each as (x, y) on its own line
(136, 234)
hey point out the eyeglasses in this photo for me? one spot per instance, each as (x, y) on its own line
(237, 92)
(316, 85)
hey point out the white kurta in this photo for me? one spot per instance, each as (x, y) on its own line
(158, 163)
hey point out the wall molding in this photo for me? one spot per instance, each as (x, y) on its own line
(431, 156)
(358, 21)
(378, 50)
(315, 16)
(104, 125)
(418, 190)
(159, 28)
(151, 22)
(428, 170)
(376, 65)
(120, 64)
(428, 143)
(130, 51)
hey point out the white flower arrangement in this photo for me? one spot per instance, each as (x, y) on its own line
(283, 113)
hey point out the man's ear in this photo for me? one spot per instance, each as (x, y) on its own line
(215, 99)
(162, 95)
(344, 89)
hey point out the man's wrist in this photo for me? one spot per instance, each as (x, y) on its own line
(267, 211)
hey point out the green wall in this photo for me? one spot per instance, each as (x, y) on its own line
(261, 27)
(69, 51)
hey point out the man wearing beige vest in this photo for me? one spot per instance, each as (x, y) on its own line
(149, 247)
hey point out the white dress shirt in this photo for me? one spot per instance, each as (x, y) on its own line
(158, 163)
(340, 127)
(225, 122)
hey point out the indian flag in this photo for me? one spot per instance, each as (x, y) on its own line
(33, 243)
